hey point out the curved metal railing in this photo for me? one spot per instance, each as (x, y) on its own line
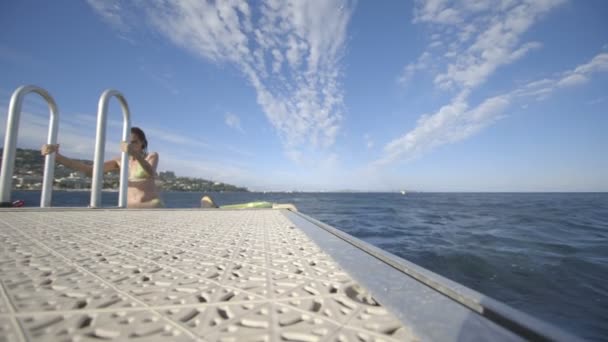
(100, 142)
(10, 145)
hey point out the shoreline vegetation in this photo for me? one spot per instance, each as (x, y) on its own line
(29, 165)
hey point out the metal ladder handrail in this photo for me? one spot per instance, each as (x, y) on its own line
(10, 145)
(100, 142)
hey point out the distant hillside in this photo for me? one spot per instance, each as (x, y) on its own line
(29, 165)
(28, 161)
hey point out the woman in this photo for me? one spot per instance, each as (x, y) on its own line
(142, 192)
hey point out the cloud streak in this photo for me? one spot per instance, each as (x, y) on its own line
(234, 122)
(456, 121)
(469, 42)
(451, 123)
(289, 51)
(112, 12)
(472, 39)
(569, 78)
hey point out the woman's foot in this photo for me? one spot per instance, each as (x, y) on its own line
(207, 202)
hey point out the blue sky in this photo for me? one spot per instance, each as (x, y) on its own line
(477, 95)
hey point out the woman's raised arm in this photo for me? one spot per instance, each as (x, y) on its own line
(46, 149)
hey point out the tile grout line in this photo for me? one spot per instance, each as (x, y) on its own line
(69, 261)
(156, 307)
(121, 252)
(268, 270)
(223, 244)
(221, 278)
(268, 300)
(12, 317)
(271, 301)
(344, 325)
(263, 228)
(297, 258)
(226, 245)
(341, 326)
(274, 331)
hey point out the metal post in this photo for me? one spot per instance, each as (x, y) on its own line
(10, 145)
(100, 142)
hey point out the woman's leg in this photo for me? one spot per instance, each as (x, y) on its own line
(287, 206)
(207, 202)
(154, 203)
(249, 205)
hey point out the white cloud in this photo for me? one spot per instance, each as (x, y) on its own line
(572, 80)
(436, 11)
(484, 36)
(423, 63)
(233, 121)
(456, 121)
(110, 11)
(451, 123)
(597, 64)
(577, 76)
(289, 51)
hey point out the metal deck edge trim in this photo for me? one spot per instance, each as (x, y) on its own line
(500, 313)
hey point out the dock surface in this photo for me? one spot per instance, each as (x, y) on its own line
(179, 275)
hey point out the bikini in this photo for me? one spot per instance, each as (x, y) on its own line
(138, 174)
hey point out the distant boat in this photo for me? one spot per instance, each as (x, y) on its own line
(403, 192)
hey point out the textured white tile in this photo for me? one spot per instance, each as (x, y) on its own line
(177, 275)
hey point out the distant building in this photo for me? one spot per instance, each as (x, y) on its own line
(27, 182)
(74, 181)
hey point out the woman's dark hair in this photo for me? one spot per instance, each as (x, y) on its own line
(142, 136)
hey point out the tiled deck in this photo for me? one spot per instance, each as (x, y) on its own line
(214, 275)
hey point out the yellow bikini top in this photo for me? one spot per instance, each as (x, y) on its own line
(137, 172)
